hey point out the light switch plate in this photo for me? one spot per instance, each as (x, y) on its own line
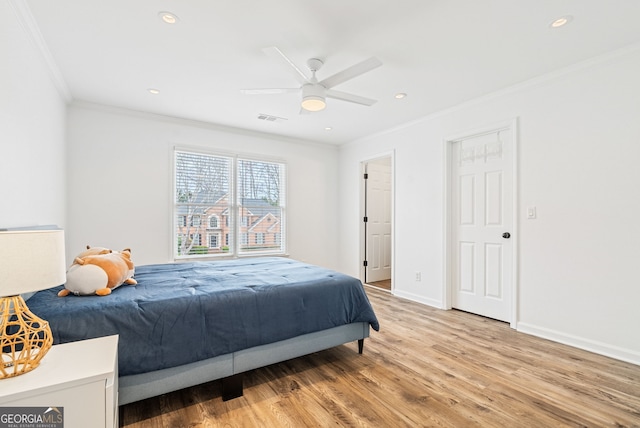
(531, 213)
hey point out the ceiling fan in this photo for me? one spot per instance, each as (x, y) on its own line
(314, 92)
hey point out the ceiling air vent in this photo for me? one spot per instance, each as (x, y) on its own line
(270, 118)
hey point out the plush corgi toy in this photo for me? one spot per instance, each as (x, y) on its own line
(99, 271)
(93, 251)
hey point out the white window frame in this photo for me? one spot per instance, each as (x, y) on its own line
(236, 230)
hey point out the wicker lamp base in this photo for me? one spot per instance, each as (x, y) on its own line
(24, 338)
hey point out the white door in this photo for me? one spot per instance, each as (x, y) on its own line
(481, 212)
(378, 212)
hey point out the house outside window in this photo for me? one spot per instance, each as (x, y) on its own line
(214, 240)
(248, 195)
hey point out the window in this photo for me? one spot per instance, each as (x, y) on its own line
(248, 193)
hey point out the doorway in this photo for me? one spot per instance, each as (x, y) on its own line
(377, 222)
(481, 230)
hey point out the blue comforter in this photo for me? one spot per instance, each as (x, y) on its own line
(185, 312)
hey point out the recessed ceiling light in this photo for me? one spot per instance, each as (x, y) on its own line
(563, 20)
(168, 17)
(328, 128)
(154, 91)
(400, 95)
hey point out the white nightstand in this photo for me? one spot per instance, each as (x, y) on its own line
(81, 377)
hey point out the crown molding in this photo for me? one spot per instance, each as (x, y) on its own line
(26, 19)
(193, 123)
(577, 67)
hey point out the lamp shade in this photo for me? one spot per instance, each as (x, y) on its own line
(31, 260)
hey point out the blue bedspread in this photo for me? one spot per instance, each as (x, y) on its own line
(185, 312)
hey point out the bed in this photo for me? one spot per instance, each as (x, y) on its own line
(190, 323)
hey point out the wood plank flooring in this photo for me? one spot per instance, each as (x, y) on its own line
(385, 284)
(425, 368)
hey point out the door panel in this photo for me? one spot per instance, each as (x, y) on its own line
(481, 210)
(374, 251)
(493, 271)
(493, 198)
(467, 205)
(379, 220)
(466, 271)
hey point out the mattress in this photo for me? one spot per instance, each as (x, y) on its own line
(180, 313)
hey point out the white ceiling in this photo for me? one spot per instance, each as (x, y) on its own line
(440, 52)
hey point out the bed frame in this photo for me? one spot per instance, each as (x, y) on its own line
(230, 367)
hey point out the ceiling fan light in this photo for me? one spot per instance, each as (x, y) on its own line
(313, 97)
(313, 103)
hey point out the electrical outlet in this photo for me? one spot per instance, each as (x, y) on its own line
(418, 276)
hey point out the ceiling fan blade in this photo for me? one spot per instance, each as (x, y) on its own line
(268, 91)
(343, 96)
(279, 56)
(351, 72)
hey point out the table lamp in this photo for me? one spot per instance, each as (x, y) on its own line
(30, 260)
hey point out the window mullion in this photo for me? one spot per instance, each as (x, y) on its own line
(233, 206)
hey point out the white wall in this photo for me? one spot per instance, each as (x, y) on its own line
(120, 182)
(32, 132)
(579, 147)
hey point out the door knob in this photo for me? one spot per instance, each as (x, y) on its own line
(506, 235)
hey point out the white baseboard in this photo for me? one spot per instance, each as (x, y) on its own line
(605, 349)
(416, 298)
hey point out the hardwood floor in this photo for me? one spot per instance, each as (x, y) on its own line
(385, 284)
(425, 368)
